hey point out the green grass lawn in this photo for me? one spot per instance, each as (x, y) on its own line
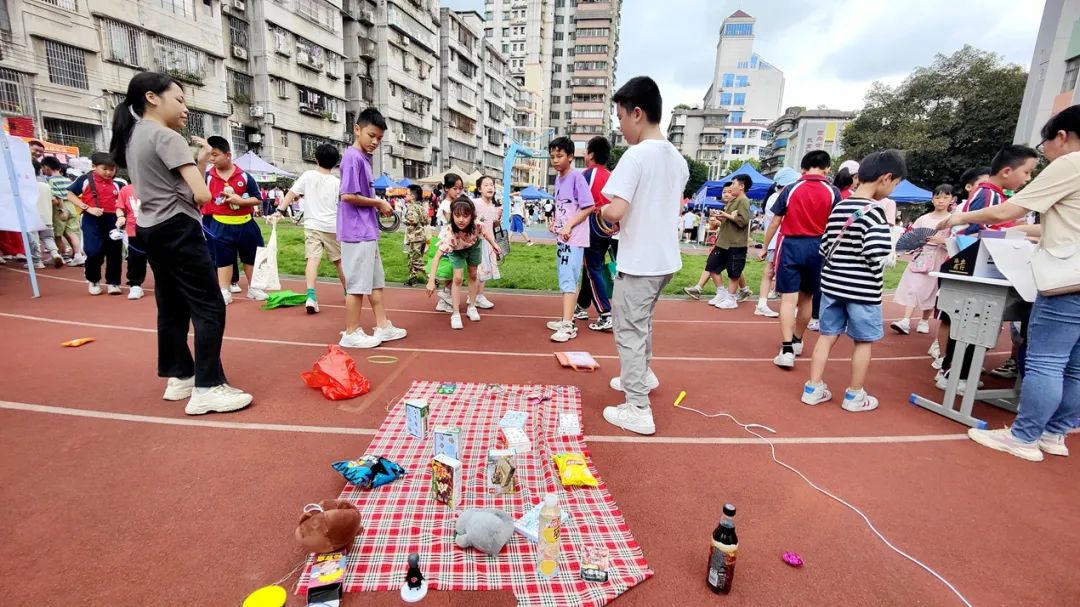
(531, 268)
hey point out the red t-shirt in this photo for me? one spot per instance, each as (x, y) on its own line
(596, 176)
(806, 206)
(128, 202)
(107, 191)
(242, 185)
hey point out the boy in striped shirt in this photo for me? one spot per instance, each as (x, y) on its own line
(854, 248)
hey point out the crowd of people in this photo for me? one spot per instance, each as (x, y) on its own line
(828, 239)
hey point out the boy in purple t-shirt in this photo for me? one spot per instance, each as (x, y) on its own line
(358, 231)
(573, 204)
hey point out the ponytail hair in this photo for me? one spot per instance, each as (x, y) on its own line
(131, 109)
(480, 182)
(450, 179)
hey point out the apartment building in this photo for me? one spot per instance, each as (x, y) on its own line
(744, 84)
(501, 94)
(64, 65)
(1055, 65)
(462, 84)
(800, 131)
(701, 135)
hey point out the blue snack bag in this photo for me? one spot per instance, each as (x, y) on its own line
(369, 471)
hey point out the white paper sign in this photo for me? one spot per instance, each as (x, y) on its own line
(26, 183)
(1012, 258)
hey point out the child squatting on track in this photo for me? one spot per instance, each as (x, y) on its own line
(460, 241)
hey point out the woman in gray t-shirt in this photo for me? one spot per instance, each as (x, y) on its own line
(171, 186)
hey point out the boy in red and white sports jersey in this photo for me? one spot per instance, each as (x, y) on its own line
(127, 211)
(593, 284)
(228, 218)
(800, 215)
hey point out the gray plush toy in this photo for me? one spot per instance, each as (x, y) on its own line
(485, 529)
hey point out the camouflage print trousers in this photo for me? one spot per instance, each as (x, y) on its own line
(416, 258)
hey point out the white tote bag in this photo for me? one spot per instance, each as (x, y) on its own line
(265, 275)
(1057, 270)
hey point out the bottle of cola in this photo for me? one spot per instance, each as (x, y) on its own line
(722, 553)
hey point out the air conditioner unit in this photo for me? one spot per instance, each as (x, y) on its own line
(254, 137)
(257, 111)
(239, 52)
(336, 117)
(405, 40)
(240, 5)
(225, 8)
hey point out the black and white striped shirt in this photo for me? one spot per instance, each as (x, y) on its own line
(854, 270)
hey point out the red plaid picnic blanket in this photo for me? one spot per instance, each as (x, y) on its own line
(402, 517)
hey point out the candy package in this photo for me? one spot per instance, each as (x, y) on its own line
(573, 470)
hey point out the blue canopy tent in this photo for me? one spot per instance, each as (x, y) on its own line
(908, 192)
(534, 193)
(759, 187)
(405, 183)
(383, 183)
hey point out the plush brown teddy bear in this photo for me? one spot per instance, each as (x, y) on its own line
(328, 526)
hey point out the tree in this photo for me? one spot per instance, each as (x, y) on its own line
(682, 106)
(946, 118)
(616, 154)
(699, 174)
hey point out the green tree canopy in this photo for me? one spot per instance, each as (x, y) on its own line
(946, 118)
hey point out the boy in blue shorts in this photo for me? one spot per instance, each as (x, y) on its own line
(800, 215)
(854, 249)
(573, 204)
(228, 218)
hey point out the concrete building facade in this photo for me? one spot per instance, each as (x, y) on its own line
(700, 135)
(1055, 66)
(462, 82)
(744, 84)
(800, 131)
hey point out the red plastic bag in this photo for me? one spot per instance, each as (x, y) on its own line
(336, 375)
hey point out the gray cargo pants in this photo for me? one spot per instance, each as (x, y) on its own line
(632, 307)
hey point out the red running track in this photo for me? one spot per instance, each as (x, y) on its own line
(138, 511)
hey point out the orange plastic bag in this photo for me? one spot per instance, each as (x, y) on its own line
(336, 375)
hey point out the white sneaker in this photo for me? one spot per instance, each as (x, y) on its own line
(312, 305)
(565, 332)
(815, 394)
(483, 302)
(773, 296)
(652, 382)
(743, 294)
(693, 292)
(222, 398)
(923, 327)
(858, 401)
(935, 350)
(226, 296)
(728, 303)
(472, 313)
(178, 389)
(941, 380)
(135, 292)
(785, 360)
(936, 363)
(94, 288)
(1003, 440)
(358, 339)
(455, 321)
(715, 300)
(444, 295)
(814, 325)
(797, 347)
(389, 332)
(114, 289)
(39, 265)
(444, 306)
(234, 288)
(902, 326)
(257, 294)
(1054, 444)
(766, 311)
(78, 260)
(629, 417)
(554, 324)
(580, 313)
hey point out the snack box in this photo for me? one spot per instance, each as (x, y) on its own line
(416, 417)
(446, 485)
(447, 441)
(501, 474)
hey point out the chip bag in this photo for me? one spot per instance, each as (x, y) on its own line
(369, 471)
(336, 375)
(573, 470)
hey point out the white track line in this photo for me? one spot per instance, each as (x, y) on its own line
(672, 440)
(311, 344)
(750, 321)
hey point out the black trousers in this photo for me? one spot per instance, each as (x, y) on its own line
(187, 293)
(100, 249)
(592, 271)
(136, 267)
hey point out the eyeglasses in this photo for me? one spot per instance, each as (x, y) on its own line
(1039, 148)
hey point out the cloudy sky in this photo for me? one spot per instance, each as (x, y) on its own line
(830, 52)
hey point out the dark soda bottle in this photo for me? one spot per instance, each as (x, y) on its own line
(722, 553)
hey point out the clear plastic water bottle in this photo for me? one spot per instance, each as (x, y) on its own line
(548, 532)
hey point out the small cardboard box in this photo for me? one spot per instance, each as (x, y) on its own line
(502, 471)
(514, 419)
(446, 481)
(327, 576)
(513, 438)
(447, 441)
(416, 417)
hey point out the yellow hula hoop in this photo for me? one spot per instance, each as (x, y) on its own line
(382, 359)
(606, 227)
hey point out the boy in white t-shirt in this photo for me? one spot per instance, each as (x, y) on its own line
(319, 187)
(645, 191)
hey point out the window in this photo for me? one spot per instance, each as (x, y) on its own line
(283, 88)
(319, 12)
(739, 29)
(591, 49)
(729, 80)
(68, 5)
(742, 65)
(558, 67)
(239, 140)
(739, 134)
(308, 143)
(66, 132)
(725, 98)
(753, 61)
(590, 65)
(592, 114)
(589, 81)
(182, 8)
(740, 98)
(736, 116)
(505, 48)
(238, 31)
(66, 64)
(506, 32)
(462, 151)
(238, 86)
(333, 65)
(556, 53)
(714, 121)
(594, 32)
(201, 124)
(554, 115)
(465, 66)
(556, 84)
(121, 42)
(712, 139)
(315, 103)
(281, 41)
(284, 139)
(742, 81)
(462, 122)
(309, 54)
(559, 19)
(15, 94)
(587, 98)
(1072, 69)
(180, 61)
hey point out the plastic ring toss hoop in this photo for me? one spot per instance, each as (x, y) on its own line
(389, 223)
